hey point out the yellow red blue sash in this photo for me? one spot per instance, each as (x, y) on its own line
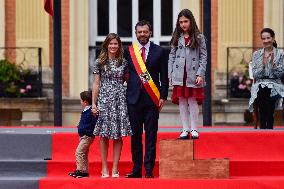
(143, 73)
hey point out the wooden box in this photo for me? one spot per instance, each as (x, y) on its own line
(177, 161)
(176, 149)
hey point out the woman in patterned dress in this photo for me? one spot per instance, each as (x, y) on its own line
(109, 101)
(267, 70)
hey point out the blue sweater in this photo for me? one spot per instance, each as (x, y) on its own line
(87, 123)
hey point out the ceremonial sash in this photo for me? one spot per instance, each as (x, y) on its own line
(144, 75)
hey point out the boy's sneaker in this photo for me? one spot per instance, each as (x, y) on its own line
(194, 134)
(72, 173)
(183, 135)
(80, 174)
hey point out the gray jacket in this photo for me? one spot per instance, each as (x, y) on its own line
(195, 60)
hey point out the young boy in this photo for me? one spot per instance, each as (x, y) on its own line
(85, 130)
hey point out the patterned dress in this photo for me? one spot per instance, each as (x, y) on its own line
(267, 76)
(113, 121)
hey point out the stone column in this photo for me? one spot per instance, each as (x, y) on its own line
(79, 64)
(2, 24)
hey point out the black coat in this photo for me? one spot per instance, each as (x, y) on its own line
(87, 123)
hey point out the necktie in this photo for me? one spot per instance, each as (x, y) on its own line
(143, 54)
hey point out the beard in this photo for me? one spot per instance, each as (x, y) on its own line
(143, 40)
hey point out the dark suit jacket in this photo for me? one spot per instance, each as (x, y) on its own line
(87, 123)
(157, 66)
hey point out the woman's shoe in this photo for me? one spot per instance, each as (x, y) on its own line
(105, 175)
(115, 174)
(194, 134)
(183, 135)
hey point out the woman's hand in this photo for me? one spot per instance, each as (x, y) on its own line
(199, 80)
(95, 110)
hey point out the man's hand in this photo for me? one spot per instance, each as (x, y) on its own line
(161, 104)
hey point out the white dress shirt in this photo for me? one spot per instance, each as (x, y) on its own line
(86, 108)
(147, 47)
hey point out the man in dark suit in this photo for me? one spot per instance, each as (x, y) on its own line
(143, 105)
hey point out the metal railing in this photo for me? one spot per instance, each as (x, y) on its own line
(29, 59)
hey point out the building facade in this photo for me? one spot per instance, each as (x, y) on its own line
(24, 23)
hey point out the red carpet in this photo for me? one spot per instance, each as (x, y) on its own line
(98, 183)
(256, 161)
(241, 145)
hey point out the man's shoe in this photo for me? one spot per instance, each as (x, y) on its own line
(194, 134)
(149, 175)
(183, 135)
(133, 175)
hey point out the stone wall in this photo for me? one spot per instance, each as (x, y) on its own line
(39, 111)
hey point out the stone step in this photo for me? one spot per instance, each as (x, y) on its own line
(19, 183)
(22, 168)
(26, 147)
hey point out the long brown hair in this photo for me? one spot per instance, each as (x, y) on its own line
(193, 29)
(103, 57)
